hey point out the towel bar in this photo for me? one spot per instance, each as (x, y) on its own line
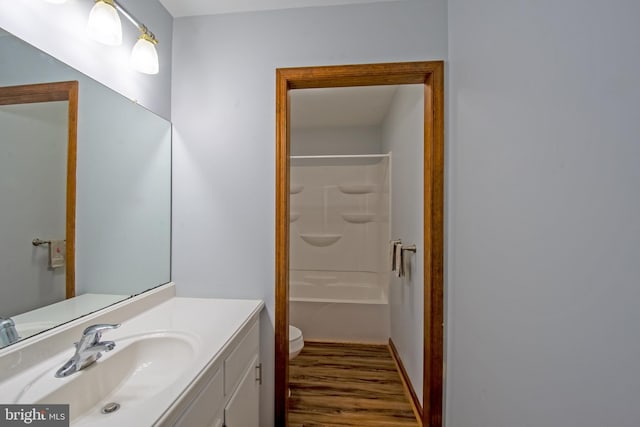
(38, 242)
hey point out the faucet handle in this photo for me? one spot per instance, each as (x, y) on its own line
(8, 332)
(95, 331)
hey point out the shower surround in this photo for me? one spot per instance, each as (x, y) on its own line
(339, 269)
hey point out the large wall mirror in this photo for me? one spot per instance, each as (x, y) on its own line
(76, 238)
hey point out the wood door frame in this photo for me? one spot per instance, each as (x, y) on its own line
(431, 74)
(50, 92)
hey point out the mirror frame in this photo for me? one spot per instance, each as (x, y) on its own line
(51, 92)
(431, 75)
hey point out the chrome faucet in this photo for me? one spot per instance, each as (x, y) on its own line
(8, 333)
(88, 349)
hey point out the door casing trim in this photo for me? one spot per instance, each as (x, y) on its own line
(431, 74)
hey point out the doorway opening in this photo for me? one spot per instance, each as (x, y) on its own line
(47, 93)
(430, 75)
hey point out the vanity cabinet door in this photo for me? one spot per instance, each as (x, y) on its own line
(206, 408)
(243, 409)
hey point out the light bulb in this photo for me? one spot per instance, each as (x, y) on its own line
(144, 57)
(104, 23)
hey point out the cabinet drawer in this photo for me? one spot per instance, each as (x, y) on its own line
(236, 363)
(204, 410)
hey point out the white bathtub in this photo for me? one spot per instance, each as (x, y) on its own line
(339, 293)
(339, 306)
(358, 287)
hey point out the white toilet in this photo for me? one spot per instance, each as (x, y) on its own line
(296, 342)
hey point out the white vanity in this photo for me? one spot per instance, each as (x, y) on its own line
(177, 362)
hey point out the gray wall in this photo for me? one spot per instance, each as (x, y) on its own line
(224, 131)
(60, 30)
(544, 214)
(403, 136)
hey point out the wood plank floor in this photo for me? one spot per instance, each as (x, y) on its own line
(347, 385)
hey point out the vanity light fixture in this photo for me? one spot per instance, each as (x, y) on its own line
(144, 57)
(104, 23)
(104, 26)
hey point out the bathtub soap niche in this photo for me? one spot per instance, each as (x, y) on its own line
(293, 216)
(358, 218)
(320, 240)
(357, 188)
(296, 188)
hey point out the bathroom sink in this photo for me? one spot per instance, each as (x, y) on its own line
(166, 349)
(140, 367)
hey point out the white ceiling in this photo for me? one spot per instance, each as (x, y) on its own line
(179, 8)
(340, 107)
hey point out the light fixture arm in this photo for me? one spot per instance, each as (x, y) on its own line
(143, 28)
